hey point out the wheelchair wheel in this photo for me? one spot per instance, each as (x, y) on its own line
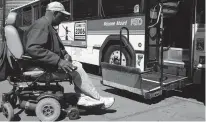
(48, 109)
(8, 111)
(73, 113)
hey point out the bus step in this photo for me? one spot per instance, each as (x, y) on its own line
(173, 63)
(152, 62)
(154, 45)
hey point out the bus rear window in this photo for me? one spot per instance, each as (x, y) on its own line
(200, 11)
(85, 9)
(43, 6)
(121, 7)
(36, 12)
(66, 4)
(19, 17)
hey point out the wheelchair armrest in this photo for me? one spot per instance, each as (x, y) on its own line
(24, 57)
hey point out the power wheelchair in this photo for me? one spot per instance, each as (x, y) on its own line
(35, 90)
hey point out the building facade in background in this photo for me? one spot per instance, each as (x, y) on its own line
(15, 3)
(10, 4)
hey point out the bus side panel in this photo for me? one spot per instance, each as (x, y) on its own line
(135, 24)
(96, 33)
(99, 30)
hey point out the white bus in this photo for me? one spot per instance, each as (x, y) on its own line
(92, 35)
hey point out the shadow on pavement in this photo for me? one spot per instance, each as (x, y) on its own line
(196, 92)
(96, 111)
(16, 116)
(133, 96)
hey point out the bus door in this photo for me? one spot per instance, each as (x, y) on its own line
(174, 30)
(177, 37)
(198, 37)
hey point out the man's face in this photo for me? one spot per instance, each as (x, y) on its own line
(58, 18)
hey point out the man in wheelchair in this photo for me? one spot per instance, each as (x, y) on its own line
(44, 52)
(43, 44)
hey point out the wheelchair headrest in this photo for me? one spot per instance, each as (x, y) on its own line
(11, 18)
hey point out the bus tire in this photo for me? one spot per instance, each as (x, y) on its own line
(109, 55)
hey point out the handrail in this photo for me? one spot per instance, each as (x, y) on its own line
(121, 44)
(162, 51)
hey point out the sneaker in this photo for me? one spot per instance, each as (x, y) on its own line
(108, 102)
(88, 101)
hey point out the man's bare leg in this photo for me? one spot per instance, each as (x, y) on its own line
(85, 85)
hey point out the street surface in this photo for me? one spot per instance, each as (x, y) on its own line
(130, 107)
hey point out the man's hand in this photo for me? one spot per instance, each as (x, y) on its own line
(66, 66)
(68, 57)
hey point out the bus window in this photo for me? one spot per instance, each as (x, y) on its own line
(43, 6)
(27, 16)
(200, 12)
(66, 4)
(19, 21)
(120, 7)
(85, 9)
(36, 12)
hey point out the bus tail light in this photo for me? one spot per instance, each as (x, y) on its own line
(153, 32)
(153, 14)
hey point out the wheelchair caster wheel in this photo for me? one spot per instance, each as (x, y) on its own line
(73, 113)
(48, 109)
(8, 111)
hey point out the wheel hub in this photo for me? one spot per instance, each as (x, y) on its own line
(48, 110)
(115, 58)
(5, 112)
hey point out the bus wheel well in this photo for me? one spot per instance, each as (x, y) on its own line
(116, 41)
(111, 42)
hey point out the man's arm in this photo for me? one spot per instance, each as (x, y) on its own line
(36, 42)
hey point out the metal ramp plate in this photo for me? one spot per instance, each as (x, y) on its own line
(127, 78)
(167, 79)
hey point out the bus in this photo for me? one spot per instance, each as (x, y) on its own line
(142, 46)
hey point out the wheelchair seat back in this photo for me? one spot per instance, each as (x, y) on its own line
(12, 36)
(15, 52)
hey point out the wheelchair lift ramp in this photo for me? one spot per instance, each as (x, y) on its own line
(128, 78)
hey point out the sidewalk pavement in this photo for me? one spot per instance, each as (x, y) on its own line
(131, 107)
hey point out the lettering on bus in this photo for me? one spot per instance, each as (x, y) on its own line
(115, 23)
(134, 22)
